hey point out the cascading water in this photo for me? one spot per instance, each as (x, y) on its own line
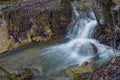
(77, 50)
(83, 25)
(73, 51)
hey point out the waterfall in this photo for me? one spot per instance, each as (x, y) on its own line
(78, 49)
(83, 26)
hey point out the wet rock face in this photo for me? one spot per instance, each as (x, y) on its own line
(107, 35)
(36, 20)
(109, 32)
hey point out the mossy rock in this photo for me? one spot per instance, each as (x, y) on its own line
(80, 70)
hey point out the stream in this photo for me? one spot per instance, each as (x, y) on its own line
(51, 59)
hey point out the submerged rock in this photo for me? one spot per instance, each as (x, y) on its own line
(34, 21)
(22, 74)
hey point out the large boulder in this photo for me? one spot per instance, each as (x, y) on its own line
(35, 21)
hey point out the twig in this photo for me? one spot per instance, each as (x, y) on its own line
(7, 73)
(119, 16)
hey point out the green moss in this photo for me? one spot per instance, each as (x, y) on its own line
(10, 1)
(75, 77)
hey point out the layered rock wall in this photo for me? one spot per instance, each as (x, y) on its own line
(34, 21)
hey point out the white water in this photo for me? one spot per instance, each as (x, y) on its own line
(77, 50)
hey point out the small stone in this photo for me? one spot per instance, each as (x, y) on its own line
(95, 49)
(113, 60)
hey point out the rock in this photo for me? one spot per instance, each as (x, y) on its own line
(22, 74)
(107, 35)
(108, 32)
(113, 60)
(79, 70)
(108, 71)
(38, 70)
(95, 49)
(82, 5)
(5, 43)
(31, 21)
